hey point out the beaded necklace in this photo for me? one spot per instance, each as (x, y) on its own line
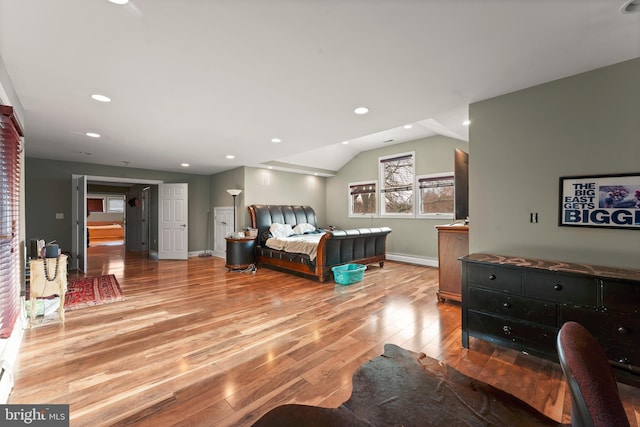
(45, 261)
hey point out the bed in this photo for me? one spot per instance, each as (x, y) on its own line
(105, 231)
(335, 247)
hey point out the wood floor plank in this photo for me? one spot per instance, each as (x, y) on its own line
(193, 344)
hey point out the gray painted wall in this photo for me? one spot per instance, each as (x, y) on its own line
(270, 187)
(48, 191)
(416, 236)
(521, 143)
(219, 197)
(264, 186)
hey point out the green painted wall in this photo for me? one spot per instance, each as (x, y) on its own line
(270, 187)
(48, 191)
(415, 237)
(522, 142)
(264, 186)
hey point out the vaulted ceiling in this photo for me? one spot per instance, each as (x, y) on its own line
(195, 81)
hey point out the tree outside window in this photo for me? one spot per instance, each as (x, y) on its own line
(397, 177)
(363, 200)
(437, 195)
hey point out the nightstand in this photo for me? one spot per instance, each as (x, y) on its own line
(240, 252)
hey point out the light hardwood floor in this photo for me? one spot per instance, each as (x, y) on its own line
(195, 345)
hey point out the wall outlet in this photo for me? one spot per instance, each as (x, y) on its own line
(59, 215)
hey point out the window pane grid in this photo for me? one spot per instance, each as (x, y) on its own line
(397, 175)
(363, 198)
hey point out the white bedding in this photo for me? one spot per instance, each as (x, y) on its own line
(298, 243)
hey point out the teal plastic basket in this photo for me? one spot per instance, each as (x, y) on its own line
(348, 273)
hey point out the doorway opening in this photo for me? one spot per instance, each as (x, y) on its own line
(111, 211)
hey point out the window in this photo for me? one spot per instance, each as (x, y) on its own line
(362, 199)
(397, 177)
(437, 194)
(10, 262)
(115, 204)
(95, 204)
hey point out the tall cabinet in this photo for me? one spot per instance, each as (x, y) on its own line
(453, 243)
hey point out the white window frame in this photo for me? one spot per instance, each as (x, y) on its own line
(115, 209)
(410, 185)
(433, 215)
(375, 192)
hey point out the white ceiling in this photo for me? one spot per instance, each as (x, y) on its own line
(195, 80)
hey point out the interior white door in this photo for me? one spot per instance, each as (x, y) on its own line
(79, 223)
(223, 227)
(173, 221)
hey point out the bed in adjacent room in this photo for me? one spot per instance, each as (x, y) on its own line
(105, 231)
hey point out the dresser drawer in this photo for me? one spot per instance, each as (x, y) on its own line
(538, 339)
(621, 296)
(622, 355)
(608, 328)
(495, 277)
(512, 305)
(561, 288)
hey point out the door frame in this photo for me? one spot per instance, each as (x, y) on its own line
(82, 252)
(220, 251)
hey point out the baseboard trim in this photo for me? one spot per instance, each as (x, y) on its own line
(410, 259)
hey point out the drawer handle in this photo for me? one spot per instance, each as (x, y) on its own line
(622, 330)
(557, 287)
(492, 277)
(506, 330)
(507, 305)
(625, 361)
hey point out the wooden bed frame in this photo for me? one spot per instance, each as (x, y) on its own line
(360, 246)
(105, 234)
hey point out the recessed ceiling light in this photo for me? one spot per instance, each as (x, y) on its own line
(93, 135)
(407, 126)
(230, 156)
(345, 142)
(100, 98)
(276, 140)
(119, 1)
(466, 122)
(361, 110)
(184, 165)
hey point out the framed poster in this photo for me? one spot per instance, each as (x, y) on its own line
(606, 201)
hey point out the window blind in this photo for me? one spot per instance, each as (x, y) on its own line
(435, 182)
(362, 188)
(10, 264)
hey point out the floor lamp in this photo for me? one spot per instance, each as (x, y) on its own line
(234, 193)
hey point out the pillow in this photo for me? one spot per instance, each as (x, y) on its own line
(280, 230)
(303, 228)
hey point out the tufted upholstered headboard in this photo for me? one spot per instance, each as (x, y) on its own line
(262, 216)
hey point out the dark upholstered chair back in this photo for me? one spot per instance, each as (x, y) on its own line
(262, 216)
(594, 393)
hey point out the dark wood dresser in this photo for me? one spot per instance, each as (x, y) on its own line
(521, 303)
(453, 243)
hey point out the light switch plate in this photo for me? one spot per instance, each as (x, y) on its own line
(59, 215)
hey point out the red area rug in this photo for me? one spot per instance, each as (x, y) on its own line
(89, 291)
